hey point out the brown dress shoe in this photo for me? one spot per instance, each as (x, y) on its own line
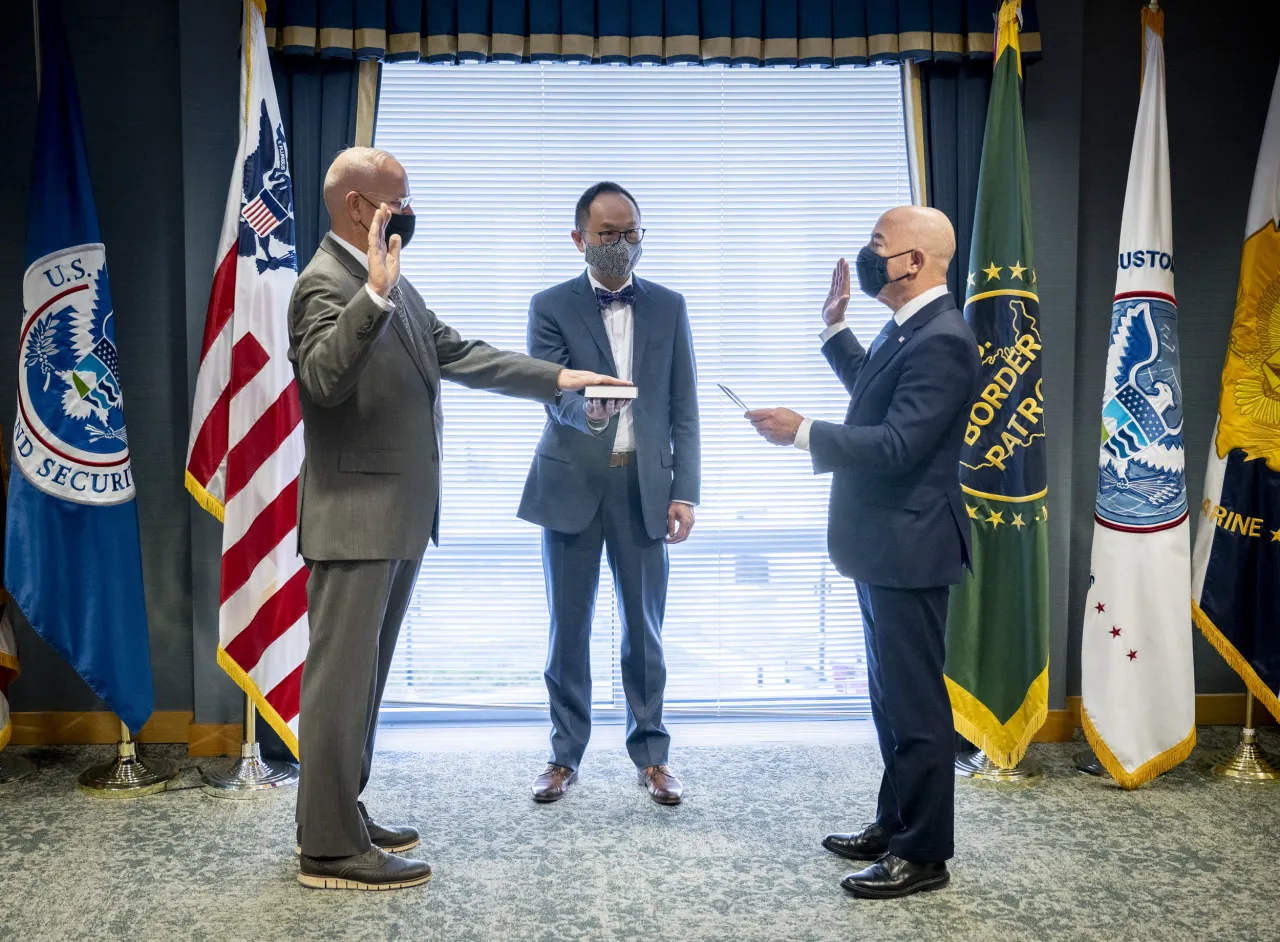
(553, 782)
(664, 787)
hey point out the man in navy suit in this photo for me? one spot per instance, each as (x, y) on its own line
(897, 527)
(618, 475)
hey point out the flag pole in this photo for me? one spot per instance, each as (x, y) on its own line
(250, 776)
(1247, 762)
(128, 775)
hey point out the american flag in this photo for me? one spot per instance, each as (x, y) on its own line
(264, 213)
(246, 426)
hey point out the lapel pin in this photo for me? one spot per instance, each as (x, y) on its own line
(902, 340)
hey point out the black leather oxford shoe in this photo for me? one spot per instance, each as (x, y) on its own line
(871, 843)
(891, 877)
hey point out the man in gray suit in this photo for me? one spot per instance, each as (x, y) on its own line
(618, 475)
(369, 357)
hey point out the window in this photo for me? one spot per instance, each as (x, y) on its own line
(751, 183)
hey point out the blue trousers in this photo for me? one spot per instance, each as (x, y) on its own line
(906, 650)
(571, 566)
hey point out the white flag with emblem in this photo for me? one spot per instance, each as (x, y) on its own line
(1137, 683)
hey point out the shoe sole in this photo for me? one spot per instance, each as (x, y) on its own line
(925, 886)
(867, 856)
(337, 883)
(549, 800)
(396, 849)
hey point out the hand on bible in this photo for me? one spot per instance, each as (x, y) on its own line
(384, 254)
(569, 380)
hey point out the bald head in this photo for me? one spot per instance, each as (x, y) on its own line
(357, 181)
(919, 242)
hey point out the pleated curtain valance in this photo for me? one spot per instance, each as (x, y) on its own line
(815, 33)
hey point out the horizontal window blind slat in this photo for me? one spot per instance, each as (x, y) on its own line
(752, 183)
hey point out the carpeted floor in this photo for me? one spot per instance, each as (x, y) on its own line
(1186, 858)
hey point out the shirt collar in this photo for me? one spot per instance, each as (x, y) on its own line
(595, 284)
(916, 303)
(360, 256)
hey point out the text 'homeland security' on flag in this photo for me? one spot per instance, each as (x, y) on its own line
(246, 425)
(1137, 677)
(73, 562)
(1235, 582)
(997, 667)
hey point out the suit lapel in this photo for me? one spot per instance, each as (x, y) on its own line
(589, 310)
(897, 339)
(641, 321)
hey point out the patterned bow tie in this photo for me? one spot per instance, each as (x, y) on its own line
(604, 298)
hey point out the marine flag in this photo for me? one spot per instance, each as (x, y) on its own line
(1137, 679)
(73, 560)
(246, 425)
(997, 668)
(1235, 586)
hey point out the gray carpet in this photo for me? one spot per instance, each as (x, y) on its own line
(1186, 858)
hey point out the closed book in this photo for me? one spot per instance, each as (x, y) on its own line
(611, 392)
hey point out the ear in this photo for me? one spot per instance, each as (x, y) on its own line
(577, 240)
(353, 207)
(918, 261)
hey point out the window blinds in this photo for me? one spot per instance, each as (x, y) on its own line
(752, 183)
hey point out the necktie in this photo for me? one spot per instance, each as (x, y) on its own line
(881, 337)
(396, 298)
(604, 298)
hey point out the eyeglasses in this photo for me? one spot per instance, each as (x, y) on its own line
(396, 206)
(610, 237)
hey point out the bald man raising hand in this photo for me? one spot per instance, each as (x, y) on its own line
(897, 526)
(369, 358)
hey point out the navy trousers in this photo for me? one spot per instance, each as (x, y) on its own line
(906, 651)
(571, 565)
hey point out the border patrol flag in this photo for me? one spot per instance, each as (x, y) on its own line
(997, 668)
(72, 561)
(1137, 677)
(1235, 586)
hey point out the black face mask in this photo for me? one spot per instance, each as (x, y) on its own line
(400, 224)
(873, 270)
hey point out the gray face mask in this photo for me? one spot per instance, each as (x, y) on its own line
(617, 260)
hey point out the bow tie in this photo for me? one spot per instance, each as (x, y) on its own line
(604, 298)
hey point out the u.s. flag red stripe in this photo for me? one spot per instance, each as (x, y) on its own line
(246, 427)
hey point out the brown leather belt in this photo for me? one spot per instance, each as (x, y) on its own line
(620, 459)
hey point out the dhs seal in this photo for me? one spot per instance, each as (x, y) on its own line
(70, 440)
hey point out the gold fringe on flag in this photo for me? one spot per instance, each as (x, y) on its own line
(1004, 743)
(245, 682)
(204, 498)
(1145, 772)
(1261, 692)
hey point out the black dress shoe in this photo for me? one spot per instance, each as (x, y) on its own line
(375, 869)
(891, 877)
(871, 843)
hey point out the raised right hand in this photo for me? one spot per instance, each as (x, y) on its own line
(838, 297)
(384, 256)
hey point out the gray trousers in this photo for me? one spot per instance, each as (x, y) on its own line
(354, 610)
(571, 566)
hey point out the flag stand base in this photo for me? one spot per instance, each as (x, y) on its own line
(1087, 764)
(1247, 762)
(13, 768)
(250, 776)
(127, 775)
(979, 766)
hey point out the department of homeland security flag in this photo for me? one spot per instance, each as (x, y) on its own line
(997, 668)
(1137, 679)
(72, 561)
(246, 425)
(1235, 586)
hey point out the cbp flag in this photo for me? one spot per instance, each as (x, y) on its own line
(72, 559)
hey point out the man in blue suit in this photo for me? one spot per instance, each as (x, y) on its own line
(897, 527)
(618, 475)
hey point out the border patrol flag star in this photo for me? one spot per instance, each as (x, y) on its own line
(73, 560)
(1137, 682)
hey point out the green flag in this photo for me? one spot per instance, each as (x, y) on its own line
(998, 622)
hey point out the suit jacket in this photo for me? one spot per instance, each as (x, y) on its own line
(566, 480)
(370, 396)
(897, 516)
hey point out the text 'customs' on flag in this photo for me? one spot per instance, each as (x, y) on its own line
(246, 425)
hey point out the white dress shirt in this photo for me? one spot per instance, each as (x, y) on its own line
(900, 316)
(363, 259)
(620, 325)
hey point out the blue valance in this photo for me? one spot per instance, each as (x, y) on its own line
(644, 32)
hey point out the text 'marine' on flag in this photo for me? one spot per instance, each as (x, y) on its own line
(1235, 586)
(997, 668)
(1137, 677)
(73, 558)
(246, 426)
